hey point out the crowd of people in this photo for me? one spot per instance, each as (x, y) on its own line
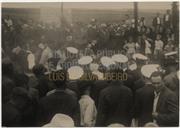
(38, 88)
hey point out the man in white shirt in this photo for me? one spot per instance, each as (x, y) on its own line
(46, 54)
(88, 110)
(165, 105)
(156, 103)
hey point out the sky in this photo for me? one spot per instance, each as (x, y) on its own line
(93, 5)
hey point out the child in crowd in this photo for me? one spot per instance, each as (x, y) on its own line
(158, 46)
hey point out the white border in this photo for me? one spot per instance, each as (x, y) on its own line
(89, 0)
(26, 1)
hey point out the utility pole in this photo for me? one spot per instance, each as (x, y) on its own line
(62, 15)
(175, 20)
(136, 17)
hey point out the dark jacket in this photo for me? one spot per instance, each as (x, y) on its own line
(155, 21)
(58, 102)
(172, 82)
(97, 87)
(167, 107)
(11, 117)
(143, 106)
(115, 103)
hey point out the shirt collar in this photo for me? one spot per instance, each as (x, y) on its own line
(156, 93)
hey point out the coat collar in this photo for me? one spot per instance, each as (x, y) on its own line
(161, 98)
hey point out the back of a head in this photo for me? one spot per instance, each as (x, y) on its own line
(20, 96)
(39, 70)
(7, 67)
(21, 80)
(7, 88)
(59, 78)
(84, 85)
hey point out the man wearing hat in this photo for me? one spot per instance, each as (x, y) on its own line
(115, 102)
(58, 102)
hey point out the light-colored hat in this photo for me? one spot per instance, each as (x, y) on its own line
(41, 46)
(69, 38)
(124, 25)
(31, 60)
(99, 75)
(16, 50)
(60, 120)
(94, 66)
(116, 125)
(107, 61)
(75, 72)
(171, 53)
(139, 56)
(72, 50)
(151, 124)
(103, 25)
(133, 67)
(120, 58)
(148, 69)
(89, 26)
(93, 19)
(85, 60)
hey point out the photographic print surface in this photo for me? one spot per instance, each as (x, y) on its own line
(90, 64)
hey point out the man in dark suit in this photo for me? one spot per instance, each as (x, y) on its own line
(156, 103)
(165, 111)
(143, 105)
(171, 80)
(97, 87)
(167, 19)
(157, 22)
(115, 103)
(58, 102)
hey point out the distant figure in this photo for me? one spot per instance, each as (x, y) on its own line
(8, 21)
(130, 47)
(158, 47)
(46, 54)
(142, 22)
(167, 19)
(157, 22)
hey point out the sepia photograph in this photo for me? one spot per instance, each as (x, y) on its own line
(90, 64)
